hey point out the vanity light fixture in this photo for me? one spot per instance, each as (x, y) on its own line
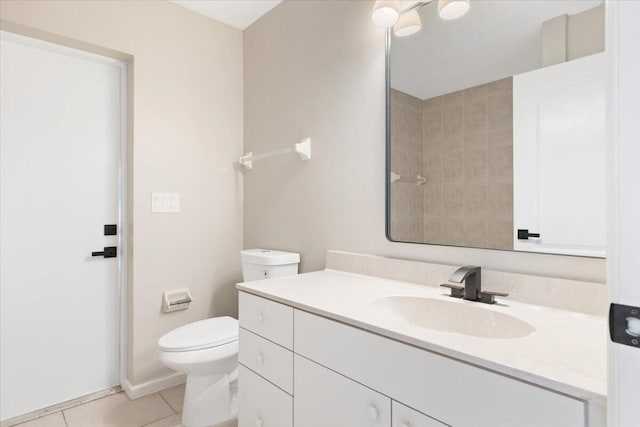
(452, 9)
(409, 23)
(386, 12)
(405, 22)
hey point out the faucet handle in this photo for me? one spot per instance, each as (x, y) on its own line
(456, 291)
(489, 297)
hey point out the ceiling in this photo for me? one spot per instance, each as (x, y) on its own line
(237, 13)
(494, 40)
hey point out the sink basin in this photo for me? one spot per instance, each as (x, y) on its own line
(460, 317)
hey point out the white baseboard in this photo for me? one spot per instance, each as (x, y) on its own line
(153, 386)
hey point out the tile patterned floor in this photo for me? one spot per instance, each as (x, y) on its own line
(163, 409)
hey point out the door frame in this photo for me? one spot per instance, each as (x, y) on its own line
(40, 41)
(623, 224)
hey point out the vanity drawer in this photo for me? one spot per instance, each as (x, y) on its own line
(271, 320)
(260, 403)
(403, 416)
(453, 392)
(267, 359)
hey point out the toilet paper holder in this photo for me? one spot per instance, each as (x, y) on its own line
(175, 300)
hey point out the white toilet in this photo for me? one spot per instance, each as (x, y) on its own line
(207, 350)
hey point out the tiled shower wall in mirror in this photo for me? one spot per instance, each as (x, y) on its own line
(462, 144)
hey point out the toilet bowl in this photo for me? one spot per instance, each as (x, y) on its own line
(207, 350)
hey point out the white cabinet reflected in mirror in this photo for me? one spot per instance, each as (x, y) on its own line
(496, 128)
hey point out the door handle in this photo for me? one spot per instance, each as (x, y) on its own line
(524, 234)
(107, 252)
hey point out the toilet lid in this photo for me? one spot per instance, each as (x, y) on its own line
(200, 335)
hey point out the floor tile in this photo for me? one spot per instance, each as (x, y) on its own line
(174, 421)
(174, 396)
(52, 420)
(170, 421)
(118, 411)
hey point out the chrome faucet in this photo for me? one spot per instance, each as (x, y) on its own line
(472, 289)
(471, 276)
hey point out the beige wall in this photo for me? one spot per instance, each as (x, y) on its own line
(568, 37)
(407, 197)
(187, 132)
(316, 68)
(585, 33)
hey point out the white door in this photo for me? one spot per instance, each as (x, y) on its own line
(623, 256)
(559, 148)
(61, 129)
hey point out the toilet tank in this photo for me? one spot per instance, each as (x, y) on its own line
(260, 264)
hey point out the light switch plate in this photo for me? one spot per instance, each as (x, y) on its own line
(165, 202)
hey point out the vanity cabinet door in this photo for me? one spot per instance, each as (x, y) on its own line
(324, 398)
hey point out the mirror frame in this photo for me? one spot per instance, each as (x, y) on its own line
(387, 137)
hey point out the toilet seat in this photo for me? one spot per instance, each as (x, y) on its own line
(200, 335)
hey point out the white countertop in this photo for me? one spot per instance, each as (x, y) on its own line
(567, 352)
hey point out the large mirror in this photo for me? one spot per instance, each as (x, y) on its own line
(496, 126)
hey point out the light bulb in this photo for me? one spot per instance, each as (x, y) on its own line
(386, 12)
(409, 23)
(452, 9)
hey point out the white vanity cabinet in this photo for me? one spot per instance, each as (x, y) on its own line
(345, 376)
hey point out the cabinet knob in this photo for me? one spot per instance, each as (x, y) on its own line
(260, 358)
(260, 318)
(372, 413)
(259, 422)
